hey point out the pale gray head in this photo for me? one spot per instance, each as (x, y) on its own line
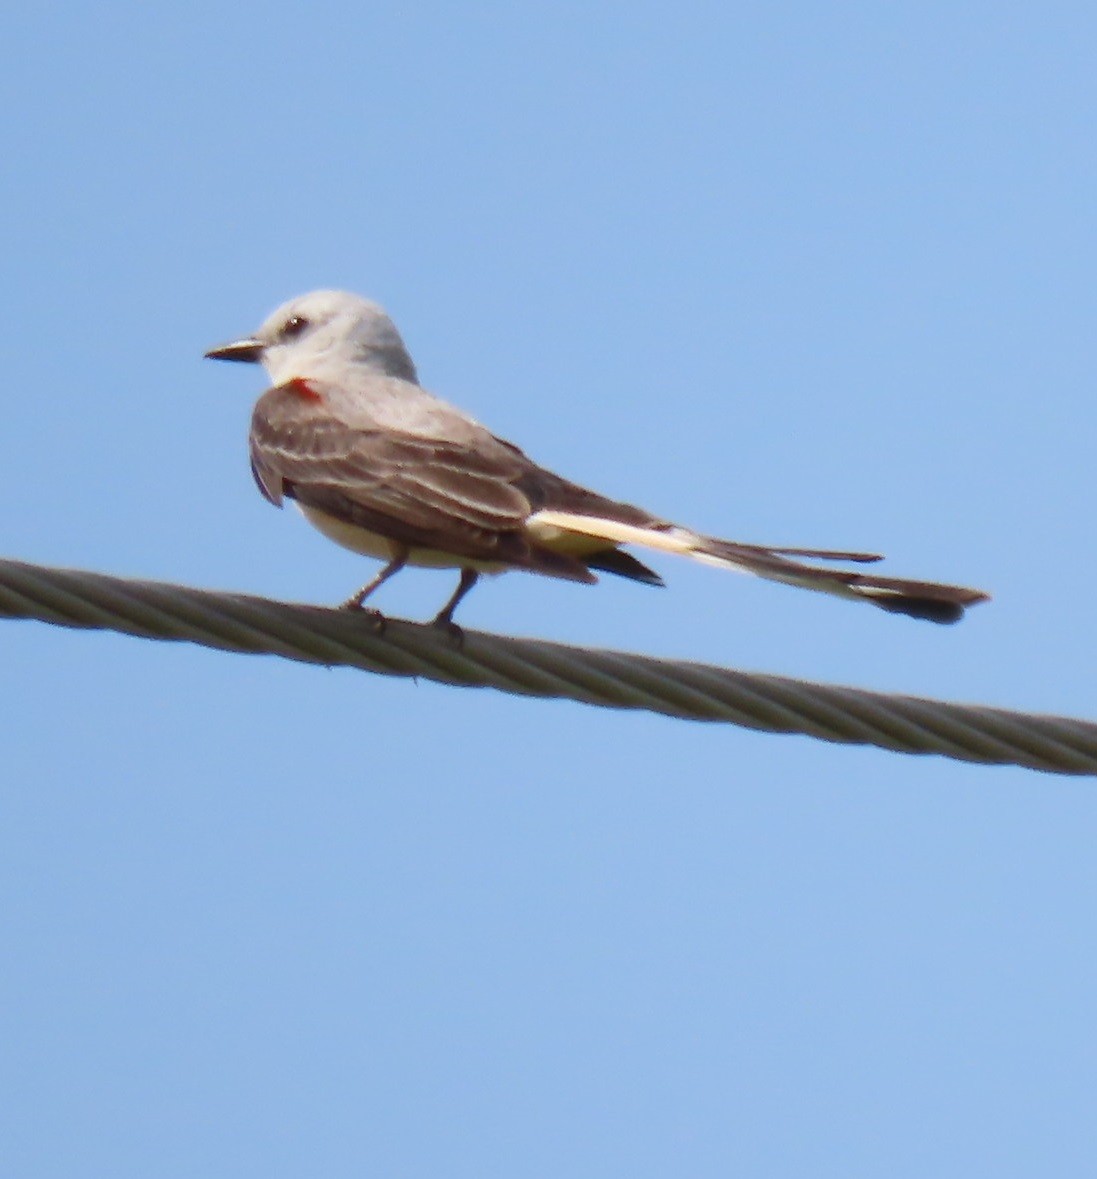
(318, 334)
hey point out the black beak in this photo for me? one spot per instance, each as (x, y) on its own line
(248, 351)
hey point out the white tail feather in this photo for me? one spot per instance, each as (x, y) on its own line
(682, 542)
(569, 531)
(546, 525)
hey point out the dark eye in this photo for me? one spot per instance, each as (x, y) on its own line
(294, 327)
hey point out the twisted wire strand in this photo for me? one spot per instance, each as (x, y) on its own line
(315, 634)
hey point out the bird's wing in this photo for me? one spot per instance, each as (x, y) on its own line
(457, 498)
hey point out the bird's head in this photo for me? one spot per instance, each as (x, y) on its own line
(318, 335)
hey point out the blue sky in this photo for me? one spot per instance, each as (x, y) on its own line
(804, 274)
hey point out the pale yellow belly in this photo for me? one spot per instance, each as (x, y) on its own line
(373, 544)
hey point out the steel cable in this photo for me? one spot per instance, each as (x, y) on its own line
(332, 637)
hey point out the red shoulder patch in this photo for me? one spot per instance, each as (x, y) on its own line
(303, 389)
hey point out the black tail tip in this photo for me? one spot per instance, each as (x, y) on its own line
(929, 609)
(624, 565)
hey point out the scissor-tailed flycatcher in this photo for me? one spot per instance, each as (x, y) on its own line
(385, 468)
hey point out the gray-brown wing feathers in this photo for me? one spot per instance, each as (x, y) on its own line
(424, 492)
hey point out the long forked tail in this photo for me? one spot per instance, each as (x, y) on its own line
(919, 599)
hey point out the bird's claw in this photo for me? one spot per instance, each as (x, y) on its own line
(368, 613)
(450, 628)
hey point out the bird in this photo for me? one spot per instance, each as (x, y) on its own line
(383, 467)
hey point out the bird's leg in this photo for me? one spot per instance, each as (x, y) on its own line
(444, 618)
(399, 560)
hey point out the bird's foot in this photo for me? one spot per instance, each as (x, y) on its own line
(374, 617)
(448, 627)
